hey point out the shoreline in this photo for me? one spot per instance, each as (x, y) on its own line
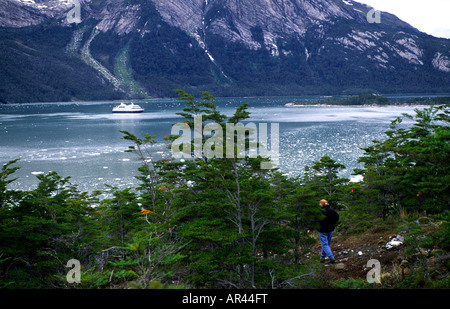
(415, 95)
(365, 105)
(374, 101)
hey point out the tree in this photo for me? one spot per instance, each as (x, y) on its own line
(409, 170)
(323, 179)
(120, 214)
(427, 148)
(303, 213)
(7, 196)
(45, 229)
(380, 181)
(224, 207)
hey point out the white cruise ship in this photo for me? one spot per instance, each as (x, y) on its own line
(130, 108)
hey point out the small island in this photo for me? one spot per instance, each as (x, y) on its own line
(371, 100)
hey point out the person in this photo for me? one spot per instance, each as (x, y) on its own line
(326, 229)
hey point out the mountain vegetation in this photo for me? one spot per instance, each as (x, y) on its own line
(34, 67)
(226, 223)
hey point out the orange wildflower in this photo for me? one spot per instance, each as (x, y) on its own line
(145, 211)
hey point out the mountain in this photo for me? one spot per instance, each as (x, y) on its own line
(148, 48)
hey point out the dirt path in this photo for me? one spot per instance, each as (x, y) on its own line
(352, 254)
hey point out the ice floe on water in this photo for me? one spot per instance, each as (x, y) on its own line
(130, 117)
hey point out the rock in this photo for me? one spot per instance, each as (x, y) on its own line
(422, 252)
(29, 13)
(360, 253)
(392, 244)
(400, 238)
(424, 220)
(442, 63)
(386, 275)
(400, 258)
(287, 17)
(395, 242)
(339, 266)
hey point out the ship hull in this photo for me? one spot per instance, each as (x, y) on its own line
(127, 112)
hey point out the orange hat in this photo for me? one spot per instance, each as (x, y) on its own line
(325, 202)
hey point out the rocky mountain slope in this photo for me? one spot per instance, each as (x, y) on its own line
(138, 48)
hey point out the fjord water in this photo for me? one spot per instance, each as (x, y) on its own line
(83, 140)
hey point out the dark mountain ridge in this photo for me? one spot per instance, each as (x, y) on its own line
(139, 49)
